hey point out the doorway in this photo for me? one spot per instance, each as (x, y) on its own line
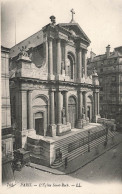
(72, 111)
(39, 123)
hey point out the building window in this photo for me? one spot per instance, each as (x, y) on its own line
(101, 70)
(113, 78)
(113, 109)
(113, 99)
(100, 80)
(121, 98)
(120, 77)
(121, 89)
(101, 89)
(101, 98)
(115, 60)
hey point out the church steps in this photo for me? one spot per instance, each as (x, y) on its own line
(63, 145)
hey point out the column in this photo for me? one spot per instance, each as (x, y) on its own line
(80, 106)
(22, 120)
(85, 104)
(52, 113)
(66, 106)
(46, 55)
(58, 57)
(30, 115)
(50, 57)
(65, 58)
(95, 104)
(84, 63)
(79, 63)
(22, 110)
(98, 103)
(59, 107)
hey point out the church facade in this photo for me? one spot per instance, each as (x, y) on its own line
(51, 94)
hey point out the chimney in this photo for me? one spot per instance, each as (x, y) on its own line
(92, 55)
(108, 51)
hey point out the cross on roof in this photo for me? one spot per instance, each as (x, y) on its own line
(73, 12)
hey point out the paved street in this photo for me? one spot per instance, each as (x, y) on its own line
(106, 168)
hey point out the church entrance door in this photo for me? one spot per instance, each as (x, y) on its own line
(72, 111)
(39, 124)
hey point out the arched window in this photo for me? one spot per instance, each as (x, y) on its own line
(70, 68)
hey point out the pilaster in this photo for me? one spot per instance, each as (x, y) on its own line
(50, 61)
(52, 115)
(84, 63)
(80, 119)
(58, 56)
(30, 114)
(79, 68)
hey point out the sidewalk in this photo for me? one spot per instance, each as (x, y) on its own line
(80, 161)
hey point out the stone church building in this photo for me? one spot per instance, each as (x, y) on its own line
(52, 98)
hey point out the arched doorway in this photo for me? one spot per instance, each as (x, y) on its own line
(40, 114)
(72, 111)
(39, 123)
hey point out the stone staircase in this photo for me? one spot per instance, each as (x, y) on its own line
(83, 149)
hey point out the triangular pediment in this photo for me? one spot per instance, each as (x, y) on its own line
(75, 29)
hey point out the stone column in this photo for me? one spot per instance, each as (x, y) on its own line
(65, 57)
(22, 110)
(98, 103)
(80, 119)
(80, 105)
(30, 114)
(58, 57)
(95, 105)
(84, 63)
(22, 119)
(52, 117)
(59, 107)
(85, 104)
(50, 57)
(66, 106)
(46, 55)
(79, 64)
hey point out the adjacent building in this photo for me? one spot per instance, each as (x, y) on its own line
(6, 133)
(52, 97)
(109, 69)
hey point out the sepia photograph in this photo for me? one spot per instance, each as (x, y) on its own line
(61, 96)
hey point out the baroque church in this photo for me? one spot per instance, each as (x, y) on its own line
(53, 100)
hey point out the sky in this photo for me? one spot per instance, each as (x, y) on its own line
(101, 20)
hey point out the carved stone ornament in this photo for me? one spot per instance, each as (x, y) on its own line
(23, 52)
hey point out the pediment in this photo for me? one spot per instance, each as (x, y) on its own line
(76, 30)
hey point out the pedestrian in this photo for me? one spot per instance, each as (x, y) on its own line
(65, 163)
(114, 153)
(60, 156)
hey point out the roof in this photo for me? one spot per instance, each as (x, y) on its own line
(37, 38)
(116, 53)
